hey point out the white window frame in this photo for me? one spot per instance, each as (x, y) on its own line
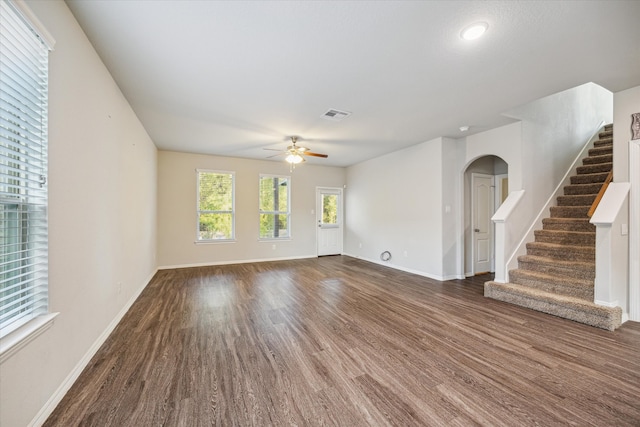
(232, 211)
(275, 212)
(24, 27)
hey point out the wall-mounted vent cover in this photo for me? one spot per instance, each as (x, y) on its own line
(335, 115)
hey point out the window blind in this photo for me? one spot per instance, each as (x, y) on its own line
(23, 171)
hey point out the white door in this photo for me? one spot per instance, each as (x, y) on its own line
(329, 221)
(482, 210)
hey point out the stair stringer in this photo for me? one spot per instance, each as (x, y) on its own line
(545, 212)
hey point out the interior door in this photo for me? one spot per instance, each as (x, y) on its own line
(482, 210)
(329, 220)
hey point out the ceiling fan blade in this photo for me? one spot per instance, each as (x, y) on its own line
(309, 153)
(272, 149)
(275, 155)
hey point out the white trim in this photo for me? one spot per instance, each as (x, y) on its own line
(634, 231)
(611, 304)
(405, 269)
(472, 222)
(16, 340)
(230, 262)
(32, 20)
(62, 390)
(287, 212)
(611, 204)
(232, 211)
(214, 241)
(503, 235)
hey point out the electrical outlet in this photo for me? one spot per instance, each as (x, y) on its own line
(406, 254)
(273, 246)
(360, 245)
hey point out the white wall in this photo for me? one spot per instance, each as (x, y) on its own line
(626, 169)
(412, 201)
(625, 103)
(452, 150)
(394, 203)
(102, 227)
(505, 143)
(554, 130)
(177, 209)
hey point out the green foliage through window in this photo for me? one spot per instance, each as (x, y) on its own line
(215, 205)
(329, 209)
(274, 207)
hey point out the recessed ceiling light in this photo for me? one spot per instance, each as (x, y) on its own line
(464, 128)
(474, 31)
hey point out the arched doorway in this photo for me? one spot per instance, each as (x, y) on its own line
(486, 186)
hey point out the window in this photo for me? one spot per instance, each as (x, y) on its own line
(275, 215)
(330, 209)
(216, 210)
(23, 170)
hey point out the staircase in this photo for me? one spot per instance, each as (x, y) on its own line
(557, 274)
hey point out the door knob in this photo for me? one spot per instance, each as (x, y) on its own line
(477, 230)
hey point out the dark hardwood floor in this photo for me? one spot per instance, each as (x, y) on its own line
(339, 341)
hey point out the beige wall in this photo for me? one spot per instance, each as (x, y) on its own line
(177, 209)
(102, 210)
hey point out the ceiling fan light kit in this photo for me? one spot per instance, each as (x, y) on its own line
(294, 154)
(294, 158)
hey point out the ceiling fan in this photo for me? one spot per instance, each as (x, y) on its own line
(294, 153)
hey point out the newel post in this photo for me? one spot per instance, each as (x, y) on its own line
(504, 240)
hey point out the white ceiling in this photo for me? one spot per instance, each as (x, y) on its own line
(233, 77)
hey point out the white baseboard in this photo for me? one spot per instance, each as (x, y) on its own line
(398, 267)
(454, 277)
(240, 261)
(62, 390)
(611, 304)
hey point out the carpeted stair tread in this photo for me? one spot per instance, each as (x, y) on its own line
(566, 237)
(566, 252)
(589, 178)
(608, 127)
(607, 133)
(576, 200)
(569, 211)
(557, 274)
(578, 189)
(558, 267)
(601, 150)
(569, 286)
(563, 306)
(568, 224)
(593, 160)
(590, 169)
(602, 142)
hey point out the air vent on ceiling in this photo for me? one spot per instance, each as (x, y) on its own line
(335, 115)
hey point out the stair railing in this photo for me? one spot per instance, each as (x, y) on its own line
(596, 202)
